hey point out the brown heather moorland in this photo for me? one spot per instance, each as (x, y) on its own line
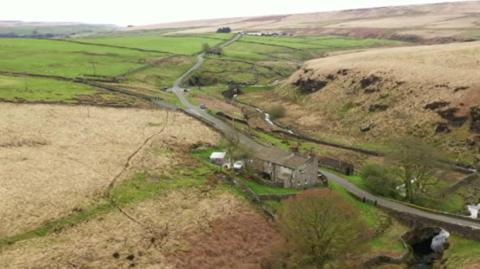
(55, 159)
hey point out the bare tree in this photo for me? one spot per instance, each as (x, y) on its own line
(414, 162)
(320, 228)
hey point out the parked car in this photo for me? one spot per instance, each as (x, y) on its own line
(238, 165)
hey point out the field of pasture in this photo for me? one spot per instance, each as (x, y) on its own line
(181, 44)
(143, 66)
(297, 48)
(60, 58)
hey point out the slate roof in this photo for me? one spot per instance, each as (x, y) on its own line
(292, 161)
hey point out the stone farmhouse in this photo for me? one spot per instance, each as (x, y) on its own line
(292, 171)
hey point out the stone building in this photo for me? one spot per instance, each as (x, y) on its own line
(292, 171)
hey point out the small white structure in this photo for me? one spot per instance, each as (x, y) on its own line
(218, 157)
(473, 209)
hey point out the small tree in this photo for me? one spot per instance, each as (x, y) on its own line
(414, 163)
(320, 227)
(224, 30)
(205, 47)
(379, 179)
(235, 149)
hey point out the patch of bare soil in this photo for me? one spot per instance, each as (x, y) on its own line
(242, 240)
(472, 266)
(163, 228)
(55, 159)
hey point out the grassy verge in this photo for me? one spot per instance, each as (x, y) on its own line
(453, 202)
(265, 190)
(462, 252)
(273, 140)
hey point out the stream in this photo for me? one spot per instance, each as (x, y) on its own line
(427, 246)
(268, 119)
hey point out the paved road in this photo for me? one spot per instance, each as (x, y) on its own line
(220, 125)
(399, 207)
(258, 148)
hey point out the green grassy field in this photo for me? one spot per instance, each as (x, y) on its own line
(320, 42)
(68, 59)
(162, 74)
(255, 52)
(261, 61)
(40, 89)
(224, 71)
(257, 48)
(185, 45)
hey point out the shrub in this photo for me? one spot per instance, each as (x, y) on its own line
(379, 180)
(205, 47)
(276, 111)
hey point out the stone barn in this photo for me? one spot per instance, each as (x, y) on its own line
(292, 171)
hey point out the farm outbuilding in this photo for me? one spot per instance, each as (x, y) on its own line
(218, 158)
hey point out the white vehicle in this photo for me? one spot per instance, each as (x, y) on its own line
(238, 165)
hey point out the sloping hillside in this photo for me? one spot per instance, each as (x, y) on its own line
(429, 91)
(428, 23)
(50, 29)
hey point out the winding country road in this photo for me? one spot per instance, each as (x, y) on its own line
(257, 148)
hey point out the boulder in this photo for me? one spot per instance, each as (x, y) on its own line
(460, 88)
(343, 72)
(310, 85)
(371, 90)
(367, 127)
(473, 140)
(442, 128)
(450, 114)
(369, 80)
(377, 108)
(436, 105)
(475, 116)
